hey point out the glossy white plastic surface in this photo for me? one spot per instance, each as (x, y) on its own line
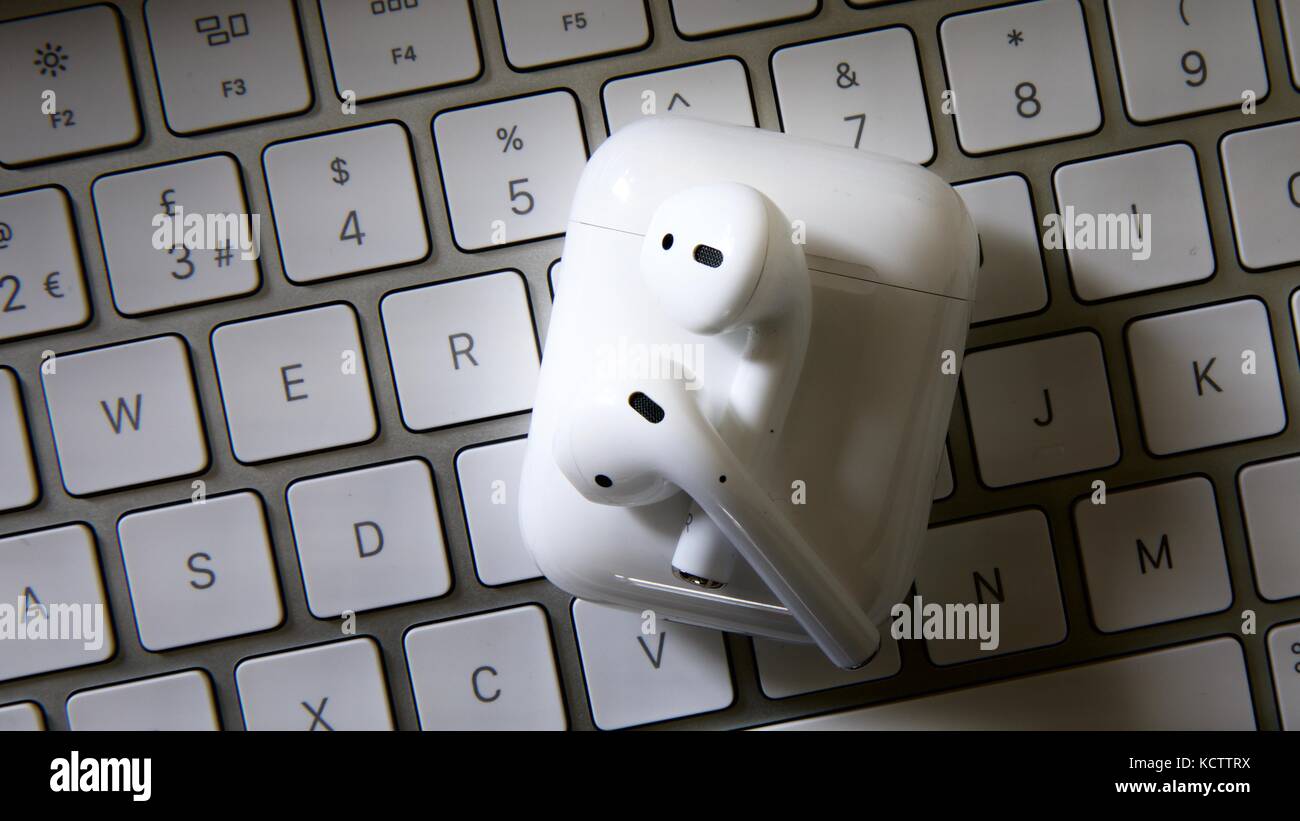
(892, 254)
(757, 290)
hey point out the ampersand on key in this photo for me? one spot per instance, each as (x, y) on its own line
(845, 78)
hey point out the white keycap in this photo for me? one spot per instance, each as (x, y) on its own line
(75, 63)
(52, 576)
(1005, 560)
(1011, 280)
(1270, 504)
(546, 32)
(1193, 687)
(1262, 169)
(346, 202)
(786, 669)
(338, 686)
(23, 716)
(200, 572)
(1179, 58)
(698, 18)
(943, 484)
(294, 383)
(1192, 385)
(509, 169)
(1295, 315)
(1153, 554)
(18, 484)
(391, 47)
(1291, 22)
(494, 671)
(1125, 254)
(489, 487)
(225, 62)
(1284, 656)
(462, 350)
(181, 701)
(553, 277)
(717, 90)
(41, 284)
(636, 677)
(863, 91)
(125, 415)
(148, 274)
(1040, 409)
(1020, 74)
(369, 538)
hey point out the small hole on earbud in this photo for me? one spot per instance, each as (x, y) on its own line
(722, 479)
(603, 480)
(667, 241)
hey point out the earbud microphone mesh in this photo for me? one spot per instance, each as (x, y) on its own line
(708, 255)
(647, 407)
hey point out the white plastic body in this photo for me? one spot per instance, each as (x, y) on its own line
(610, 451)
(892, 254)
(759, 293)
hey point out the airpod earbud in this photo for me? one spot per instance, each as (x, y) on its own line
(719, 259)
(628, 442)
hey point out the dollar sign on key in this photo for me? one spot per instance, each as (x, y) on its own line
(339, 167)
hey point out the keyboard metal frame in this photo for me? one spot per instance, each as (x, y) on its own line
(667, 49)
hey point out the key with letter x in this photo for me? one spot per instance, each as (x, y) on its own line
(337, 686)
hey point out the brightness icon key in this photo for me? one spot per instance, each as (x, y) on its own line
(67, 86)
(51, 60)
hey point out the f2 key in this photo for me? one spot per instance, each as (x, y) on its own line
(67, 86)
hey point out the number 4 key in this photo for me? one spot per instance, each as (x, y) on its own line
(325, 188)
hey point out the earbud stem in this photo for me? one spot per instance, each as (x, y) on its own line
(754, 524)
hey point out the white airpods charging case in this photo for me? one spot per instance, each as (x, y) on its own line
(893, 256)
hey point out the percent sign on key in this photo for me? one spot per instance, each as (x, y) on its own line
(509, 140)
